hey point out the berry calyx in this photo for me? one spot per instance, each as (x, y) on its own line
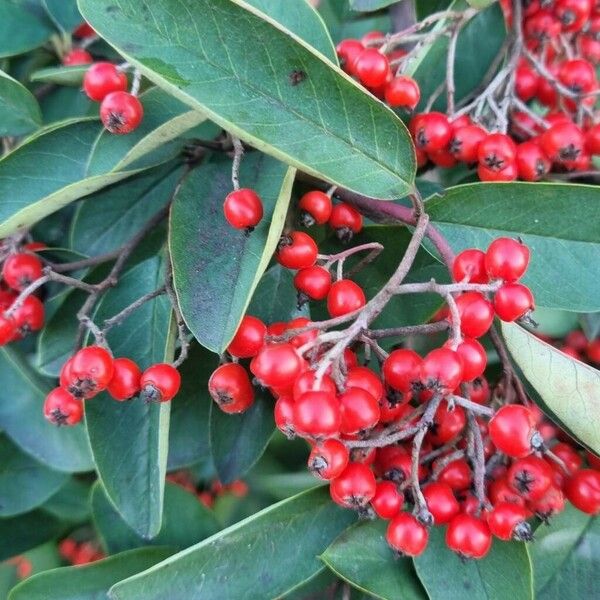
(243, 209)
(346, 221)
(160, 383)
(355, 487)
(61, 408)
(230, 387)
(442, 370)
(531, 477)
(316, 208)
(88, 372)
(508, 521)
(328, 459)
(121, 112)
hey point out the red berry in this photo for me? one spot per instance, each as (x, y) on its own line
(317, 415)
(511, 430)
(402, 369)
(476, 314)
(160, 383)
(447, 424)
(101, 79)
(316, 208)
(345, 297)
(513, 301)
(465, 141)
(8, 329)
(589, 48)
(469, 266)
(592, 140)
(371, 67)
(431, 131)
(373, 38)
(442, 370)
(77, 56)
(360, 410)
(60, 408)
(125, 382)
(530, 477)
(509, 173)
(230, 387)
(346, 221)
(284, 415)
(457, 474)
(121, 112)
(479, 390)
(562, 142)
(314, 282)
(406, 535)
(243, 209)
(577, 340)
(441, 502)
(506, 259)
(542, 26)
(297, 251)
(248, 339)
(88, 372)
(573, 14)
(328, 459)
(508, 521)
(364, 378)
(83, 31)
(501, 491)
(583, 491)
(532, 163)
(388, 500)
(473, 356)
(355, 487)
(526, 81)
(578, 75)
(468, 536)
(19, 270)
(277, 365)
(307, 383)
(497, 151)
(348, 51)
(29, 316)
(403, 92)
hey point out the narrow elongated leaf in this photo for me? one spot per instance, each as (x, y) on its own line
(370, 5)
(228, 50)
(88, 582)
(186, 521)
(565, 556)
(22, 419)
(568, 388)
(22, 28)
(135, 430)
(504, 573)
(564, 243)
(70, 76)
(238, 441)
(216, 268)
(24, 532)
(24, 482)
(64, 13)
(275, 550)
(361, 556)
(19, 110)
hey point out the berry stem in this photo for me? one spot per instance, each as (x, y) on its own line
(238, 152)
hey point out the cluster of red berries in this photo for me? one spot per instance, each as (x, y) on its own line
(18, 271)
(120, 111)
(207, 494)
(92, 370)
(79, 55)
(80, 553)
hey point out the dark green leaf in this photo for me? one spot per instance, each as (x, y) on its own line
(238, 441)
(22, 419)
(302, 19)
(370, 5)
(186, 521)
(22, 28)
(66, 103)
(71, 502)
(70, 76)
(275, 550)
(19, 110)
(566, 556)
(555, 323)
(362, 557)
(350, 139)
(190, 412)
(568, 388)
(564, 243)
(24, 532)
(504, 573)
(590, 323)
(125, 209)
(64, 14)
(135, 431)
(215, 267)
(24, 482)
(88, 582)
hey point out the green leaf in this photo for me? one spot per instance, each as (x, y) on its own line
(216, 273)
(190, 412)
(504, 573)
(302, 19)
(87, 582)
(361, 556)
(238, 441)
(275, 550)
(186, 521)
(564, 243)
(135, 431)
(24, 482)
(568, 388)
(590, 323)
(22, 28)
(125, 209)
(69, 76)
(22, 419)
(229, 51)
(19, 110)
(71, 502)
(67, 103)
(64, 14)
(565, 556)
(24, 532)
(370, 5)
(555, 323)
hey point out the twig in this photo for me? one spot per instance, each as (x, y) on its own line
(238, 152)
(122, 315)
